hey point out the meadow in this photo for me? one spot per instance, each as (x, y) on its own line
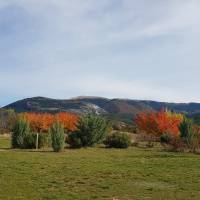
(98, 173)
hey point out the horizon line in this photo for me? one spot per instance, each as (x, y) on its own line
(100, 97)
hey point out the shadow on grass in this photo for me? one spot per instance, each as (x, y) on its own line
(5, 148)
(28, 150)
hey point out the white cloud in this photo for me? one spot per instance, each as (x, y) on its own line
(142, 49)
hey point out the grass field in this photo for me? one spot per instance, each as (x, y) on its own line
(98, 173)
(4, 142)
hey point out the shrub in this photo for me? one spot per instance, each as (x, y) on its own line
(44, 140)
(20, 131)
(189, 138)
(186, 130)
(30, 141)
(165, 138)
(177, 144)
(118, 140)
(194, 142)
(74, 141)
(91, 130)
(57, 136)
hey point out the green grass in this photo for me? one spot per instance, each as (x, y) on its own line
(5, 142)
(99, 173)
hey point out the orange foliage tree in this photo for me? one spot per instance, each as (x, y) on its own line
(157, 123)
(68, 120)
(41, 122)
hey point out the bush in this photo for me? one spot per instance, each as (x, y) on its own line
(194, 143)
(165, 138)
(91, 130)
(44, 140)
(118, 140)
(189, 138)
(177, 144)
(20, 131)
(30, 141)
(74, 141)
(186, 130)
(57, 137)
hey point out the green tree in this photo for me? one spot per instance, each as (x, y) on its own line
(91, 130)
(20, 131)
(186, 130)
(57, 136)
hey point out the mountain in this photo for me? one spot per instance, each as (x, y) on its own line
(122, 109)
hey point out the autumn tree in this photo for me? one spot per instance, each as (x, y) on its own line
(68, 120)
(157, 123)
(41, 122)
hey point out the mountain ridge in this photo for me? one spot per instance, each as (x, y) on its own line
(122, 109)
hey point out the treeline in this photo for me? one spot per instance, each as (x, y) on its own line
(38, 130)
(83, 131)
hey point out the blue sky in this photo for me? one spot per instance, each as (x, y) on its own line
(147, 49)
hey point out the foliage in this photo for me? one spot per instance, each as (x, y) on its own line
(44, 140)
(20, 131)
(188, 140)
(186, 130)
(7, 120)
(41, 122)
(30, 141)
(57, 136)
(118, 140)
(38, 122)
(195, 139)
(165, 138)
(91, 129)
(177, 144)
(157, 123)
(74, 140)
(68, 120)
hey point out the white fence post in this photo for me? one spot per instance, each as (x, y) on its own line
(37, 141)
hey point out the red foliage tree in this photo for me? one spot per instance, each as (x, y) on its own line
(68, 120)
(41, 122)
(157, 123)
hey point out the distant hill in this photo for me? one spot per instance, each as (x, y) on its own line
(122, 109)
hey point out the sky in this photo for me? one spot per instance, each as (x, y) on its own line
(146, 49)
